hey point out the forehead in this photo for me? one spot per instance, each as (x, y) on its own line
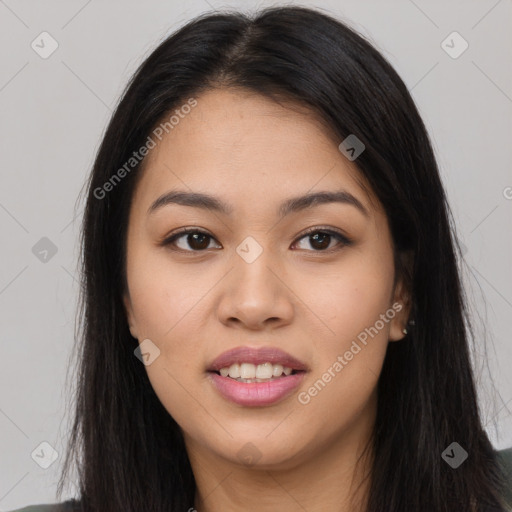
(241, 145)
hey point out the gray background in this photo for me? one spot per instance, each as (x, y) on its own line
(54, 111)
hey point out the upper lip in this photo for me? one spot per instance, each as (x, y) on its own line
(256, 356)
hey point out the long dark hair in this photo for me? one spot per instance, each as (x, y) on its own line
(128, 450)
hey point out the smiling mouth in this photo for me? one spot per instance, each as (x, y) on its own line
(256, 376)
(248, 372)
(260, 390)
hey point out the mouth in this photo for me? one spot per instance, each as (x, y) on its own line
(248, 372)
(256, 377)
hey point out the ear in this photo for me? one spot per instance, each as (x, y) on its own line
(402, 300)
(401, 306)
(129, 314)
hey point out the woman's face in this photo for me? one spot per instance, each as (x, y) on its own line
(256, 279)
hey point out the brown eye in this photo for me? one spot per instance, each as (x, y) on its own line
(320, 240)
(194, 240)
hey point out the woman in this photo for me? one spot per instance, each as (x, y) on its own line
(273, 316)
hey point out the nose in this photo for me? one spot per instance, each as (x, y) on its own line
(256, 295)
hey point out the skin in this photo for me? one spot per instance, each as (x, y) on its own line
(253, 154)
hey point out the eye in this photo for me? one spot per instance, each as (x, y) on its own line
(196, 239)
(320, 239)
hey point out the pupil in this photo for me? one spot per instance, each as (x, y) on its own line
(194, 238)
(324, 236)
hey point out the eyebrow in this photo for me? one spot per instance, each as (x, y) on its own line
(292, 205)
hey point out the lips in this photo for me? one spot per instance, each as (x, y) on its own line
(259, 393)
(256, 356)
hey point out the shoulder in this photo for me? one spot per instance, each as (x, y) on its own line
(67, 506)
(38, 508)
(505, 458)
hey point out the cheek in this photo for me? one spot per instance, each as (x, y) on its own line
(167, 312)
(349, 298)
(167, 309)
(168, 321)
(341, 389)
(162, 294)
(351, 348)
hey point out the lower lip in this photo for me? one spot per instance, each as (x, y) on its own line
(254, 394)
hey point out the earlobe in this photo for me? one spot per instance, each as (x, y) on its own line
(397, 330)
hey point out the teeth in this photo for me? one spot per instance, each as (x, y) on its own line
(264, 371)
(277, 370)
(234, 370)
(248, 372)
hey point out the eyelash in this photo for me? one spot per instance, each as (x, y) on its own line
(344, 240)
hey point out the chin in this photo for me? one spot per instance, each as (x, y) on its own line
(261, 452)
